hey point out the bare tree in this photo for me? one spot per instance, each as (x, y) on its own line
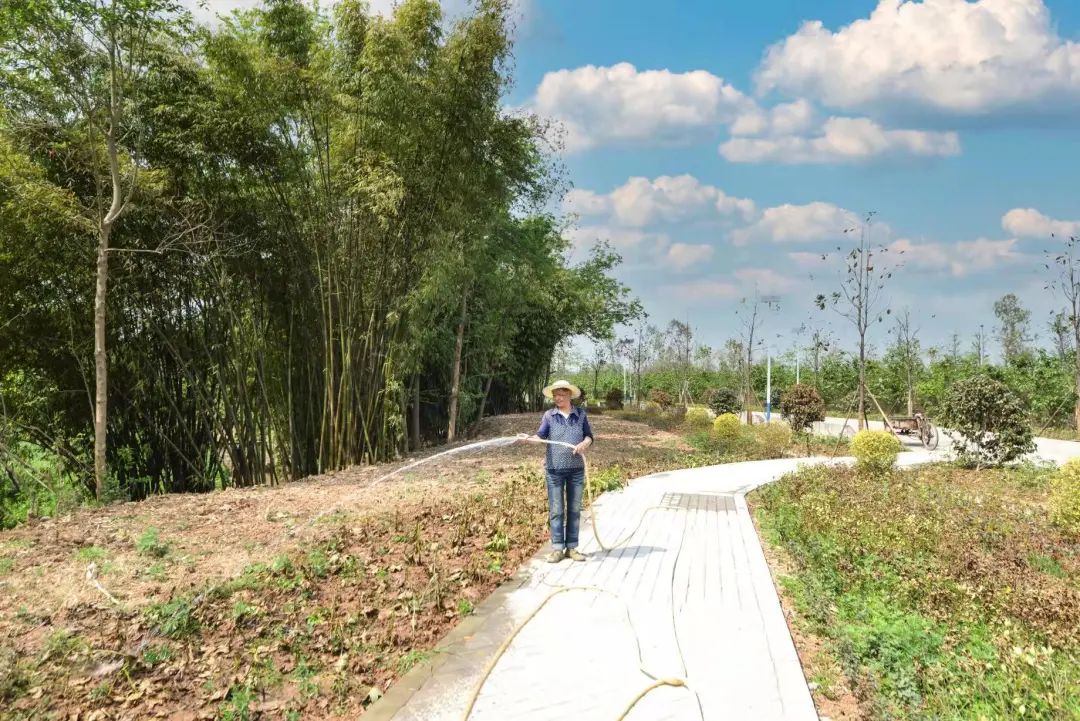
(1067, 283)
(1061, 329)
(906, 352)
(751, 315)
(978, 345)
(599, 359)
(859, 296)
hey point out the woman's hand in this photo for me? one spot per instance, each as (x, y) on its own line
(579, 449)
(527, 438)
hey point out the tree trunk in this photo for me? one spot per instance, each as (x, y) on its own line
(862, 382)
(483, 401)
(416, 413)
(455, 384)
(101, 369)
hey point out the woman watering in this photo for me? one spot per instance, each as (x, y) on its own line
(565, 467)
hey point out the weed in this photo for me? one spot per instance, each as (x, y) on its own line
(7, 565)
(281, 565)
(153, 655)
(102, 691)
(410, 659)
(464, 607)
(175, 618)
(89, 553)
(303, 675)
(318, 564)
(150, 544)
(611, 478)
(241, 611)
(62, 644)
(499, 542)
(1046, 564)
(157, 572)
(237, 706)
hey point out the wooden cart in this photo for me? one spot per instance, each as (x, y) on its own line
(917, 424)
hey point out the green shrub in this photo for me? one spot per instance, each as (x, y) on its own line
(651, 408)
(614, 399)
(611, 478)
(722, 400)
(727, 427)
(802, 407)
(988, 420)
(697, 419)
(875, 451)
(1065, 497)
(661, 398)
(774, 438)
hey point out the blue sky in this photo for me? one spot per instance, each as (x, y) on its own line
(721, 147)
(947, 115)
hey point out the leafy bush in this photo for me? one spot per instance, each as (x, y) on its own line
(697, 419)
(989, 420)
(774, 438)
(875, 451)
(722, 400)
(611, 478)
(661, 398)
(1065, 497)
(614, 399)
(651, 408)
(727, 427)
(802, 406)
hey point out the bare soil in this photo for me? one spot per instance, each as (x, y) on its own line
(305, 600)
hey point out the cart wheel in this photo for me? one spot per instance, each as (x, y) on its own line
(930, 437)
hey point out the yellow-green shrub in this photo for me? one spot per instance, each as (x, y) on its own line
(651, 408)
(697, 419)
(1065, 497)
(727, 427)
(875, 451)
(773, 437)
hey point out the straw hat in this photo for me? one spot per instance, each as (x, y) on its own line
(575, 392)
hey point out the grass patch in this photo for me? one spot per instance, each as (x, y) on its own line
(941, 598)
(7, 565)
(90, 553)
(150, 544)
(153, 655)
(410, 659)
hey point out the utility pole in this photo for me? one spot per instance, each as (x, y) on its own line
(768, 383)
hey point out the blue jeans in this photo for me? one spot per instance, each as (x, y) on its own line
(564, 489)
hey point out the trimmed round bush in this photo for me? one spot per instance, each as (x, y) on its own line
(1065, 497)
(722, 400)
(802, 407)
(697, 419)
(661, 398)
(988, 420)
(727, 427)
(773, 437)
(875, 451)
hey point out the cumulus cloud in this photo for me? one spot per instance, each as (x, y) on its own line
(841, 140)
(783, 119)
(958, 259)
(797, 224)
(639, 202)
(1030, 223)
(620, 104)
(682, 256)
(950, 56)
(700, 290)
(765, 280)
(620, 238)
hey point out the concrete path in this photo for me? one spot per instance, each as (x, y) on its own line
(688, 595)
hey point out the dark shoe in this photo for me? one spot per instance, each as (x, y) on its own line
(556, 556)
(574, 555)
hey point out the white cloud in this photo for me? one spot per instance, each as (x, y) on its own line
(809, 260)
(1030, 223)
(703, 290)
(958, 259)
(949, 56)
(640, 202)
(783, 119)
(620, 238)
(682, 256)
(765, 280)
(842, 140)
(797, 223)
(620, 104)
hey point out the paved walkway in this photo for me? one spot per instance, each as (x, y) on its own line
(688, 595)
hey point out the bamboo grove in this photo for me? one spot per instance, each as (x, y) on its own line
(330, 240)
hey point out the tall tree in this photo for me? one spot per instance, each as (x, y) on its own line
(1014, 332)
(903, 358)
(860, 296)
(75, 64)
(1061, 331)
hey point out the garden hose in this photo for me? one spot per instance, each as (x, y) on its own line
(657, 682)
